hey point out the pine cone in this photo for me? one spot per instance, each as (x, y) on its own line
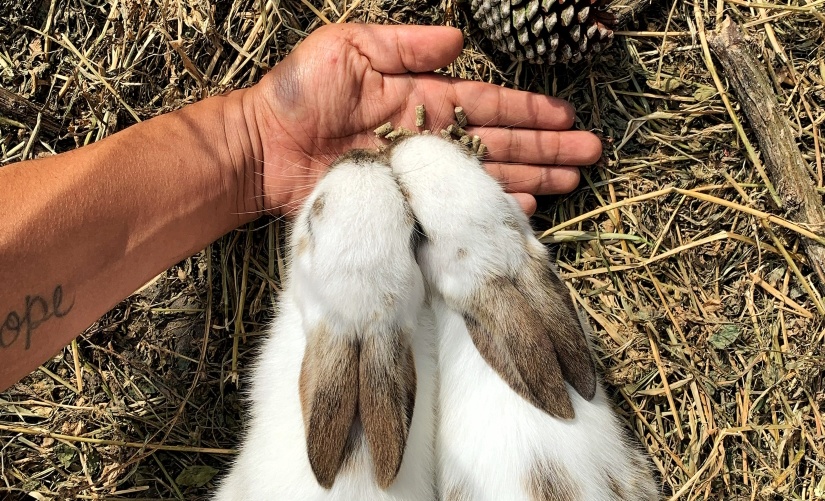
(552, 31)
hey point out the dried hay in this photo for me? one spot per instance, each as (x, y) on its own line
(710, 322)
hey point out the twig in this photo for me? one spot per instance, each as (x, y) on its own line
(754, 157)
(29, 430)
(693, 194)
(654, 350)
(58, 379)
(22, 111)
(78, 369)
(64, 40)
(626, 10)
(347, 12)
(810, 8)
(317, 12)
(782, 297)
(776, 138)
(32, 138)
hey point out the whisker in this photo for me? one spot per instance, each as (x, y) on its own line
(285, 191)
(436, 124)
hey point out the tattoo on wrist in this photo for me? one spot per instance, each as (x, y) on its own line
(36, 311)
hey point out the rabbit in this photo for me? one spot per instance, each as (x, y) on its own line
(342, 393)
(521, 414)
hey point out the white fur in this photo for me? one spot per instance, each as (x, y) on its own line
(489, 438)
(360, 254)
(459, 207)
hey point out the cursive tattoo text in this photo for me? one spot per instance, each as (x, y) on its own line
(35, 312)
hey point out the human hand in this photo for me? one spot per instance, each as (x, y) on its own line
(340, 83)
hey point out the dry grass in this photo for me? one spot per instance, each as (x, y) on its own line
(710, 322)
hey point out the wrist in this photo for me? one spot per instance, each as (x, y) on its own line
(242, 153)
(284, 170)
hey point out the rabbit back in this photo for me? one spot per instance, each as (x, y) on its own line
(492, 444)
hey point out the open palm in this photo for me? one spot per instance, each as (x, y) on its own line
(344, 80)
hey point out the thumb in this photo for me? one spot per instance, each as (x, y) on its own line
(403, 49)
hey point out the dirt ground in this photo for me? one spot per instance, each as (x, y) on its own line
(708, 316)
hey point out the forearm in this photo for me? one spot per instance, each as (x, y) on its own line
(82, 230)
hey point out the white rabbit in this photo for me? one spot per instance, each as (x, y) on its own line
(343, 391)
(520, 413)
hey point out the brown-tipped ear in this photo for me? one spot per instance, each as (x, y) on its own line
(548, 296)
(511, 337)
(328, 386)
(386, 400)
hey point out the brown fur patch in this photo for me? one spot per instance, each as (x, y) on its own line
(551, 482)
(328, 386)
(317, 206)
(511, 337)
(360, 157)
(302, 246)
(550, 298)
(405, 192)
(513, 223)
(456, 493)
(461, 253)
(409, 216)
(387, 396)
(615, 488)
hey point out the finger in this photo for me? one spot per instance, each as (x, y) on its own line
(403, 49)
(519, 178)
(527, 202)
(540, 146)
(490, 105)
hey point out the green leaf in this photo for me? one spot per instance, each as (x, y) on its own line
(65, 454)
(725, 336)
(704, 92)
(196, 475)
(666, 83)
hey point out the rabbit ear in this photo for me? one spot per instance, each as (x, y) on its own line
(386, 399)
(528, 330)
(512, 338)
(329, 397)
(549, 297)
